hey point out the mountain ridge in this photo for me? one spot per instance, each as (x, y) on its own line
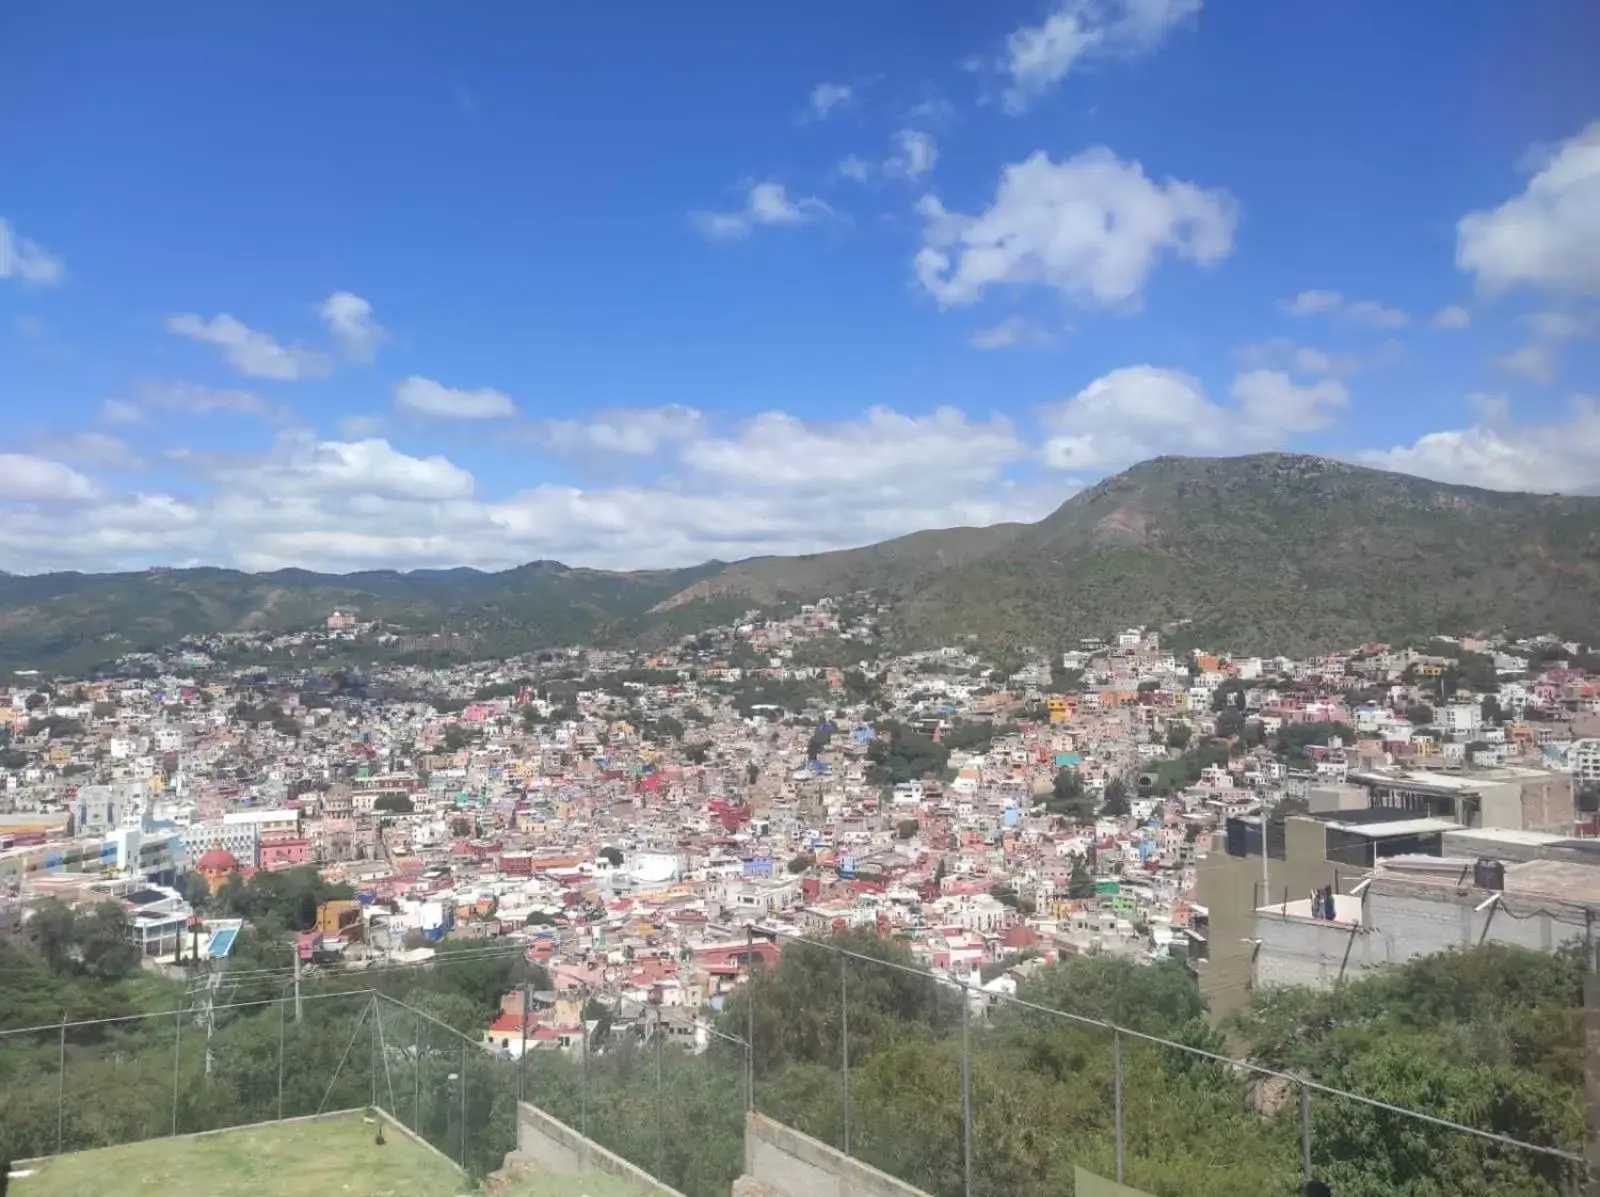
(1268, 552)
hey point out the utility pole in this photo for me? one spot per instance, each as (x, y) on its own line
(294, 946)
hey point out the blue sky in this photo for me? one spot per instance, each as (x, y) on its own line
(641, 284)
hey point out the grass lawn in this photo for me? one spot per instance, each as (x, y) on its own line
(295, 1159)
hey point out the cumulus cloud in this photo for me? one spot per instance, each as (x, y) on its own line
(1548, 237)
(1141, 411)
(1366, 312)
(766, 204)
(189, 399)
(1092, 227)
(1014, 332)
(825, 97)
(914, 154)
(773, 484)
(1281, 353)
(425, 397)
(37, 479)
(1081, 31)
(1536, 363)
(886, 455)
(855, 167)
(249, 351)
(350, 322)
(98, 450)
(626, 432)
(1558, 456)
(1452, 318)
(26, 260)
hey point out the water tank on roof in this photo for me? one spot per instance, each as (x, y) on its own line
(1489, 874)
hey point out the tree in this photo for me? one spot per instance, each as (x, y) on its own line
(1230, 722)
(460, 827)
(1067, 797)
(669, 728)
(801, 863)
(612, 855)
(1081, 885)
(1491, 711)
(1420, 714)
(456, 737)
(697, 754)
(196, 891)
(103, 946)
(1116, 799)
(51, 928)
(907, 828)
(1178, 736)
(751, 772)
(394, 804)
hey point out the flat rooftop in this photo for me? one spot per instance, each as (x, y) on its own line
(1527, 882)
(298, 1158)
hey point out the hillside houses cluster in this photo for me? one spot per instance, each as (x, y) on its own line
(633, 820)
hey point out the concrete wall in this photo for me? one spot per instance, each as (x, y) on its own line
(551, 1146)
(1402, 922)
(781, 1162)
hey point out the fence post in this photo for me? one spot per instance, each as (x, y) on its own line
(658, 1093)
(177, 1058)
(750, 1006)
(1305, 1133)
(966, 1092)
(281, 1004)
(1116, 1060)
(416, 1077)
(522, 1057)
(372, 1052)
(844, 1041)
(463, 1105)
(583, 1082)
(61, 1086)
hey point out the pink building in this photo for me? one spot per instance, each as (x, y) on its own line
(285, 853)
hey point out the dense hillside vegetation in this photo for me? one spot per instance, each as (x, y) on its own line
(1273, 552)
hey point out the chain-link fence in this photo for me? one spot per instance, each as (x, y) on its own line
(954, 1088)
(970, 1090)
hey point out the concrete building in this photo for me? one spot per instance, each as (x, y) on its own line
(1510, 796)
(1417, 906)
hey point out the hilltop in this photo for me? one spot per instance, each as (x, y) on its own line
(1271, 552)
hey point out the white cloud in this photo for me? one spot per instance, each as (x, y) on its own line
(1080, 31)
(350, 322)
(362, 427)
(881, 457)
(425, 397)
(121, 411)
(1561, 456)
(1141, 411)
(99, 450)
(1540, 360)
(628, 432)
(251, 352)
(1271, 402)
(854, 167)
(1092, 227)
(186, 398)
(1536, 363)
(26, 260)
(1452, 317)
(300, 465)
(775, 484)
(765, 204)
(1012, 333)
(914, 156)
(1280, 353)
(825, 97)
(1548, 237)
(1357, 311)
(26, 478)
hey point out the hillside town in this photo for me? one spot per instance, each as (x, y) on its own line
(646, 824)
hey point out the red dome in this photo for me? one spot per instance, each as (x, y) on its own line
(217, 859)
